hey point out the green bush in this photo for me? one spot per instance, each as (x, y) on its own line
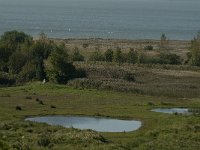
(6, 79)
(96, 56)
(129, 77)
(148, 48)
(108, 55)
(76, 56)
(118, 56)
(132, 56)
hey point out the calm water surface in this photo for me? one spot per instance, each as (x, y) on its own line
(122, 19)
(97, 124)
(171, 110)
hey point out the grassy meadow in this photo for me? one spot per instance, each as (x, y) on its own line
(158, 131)
(136, 77)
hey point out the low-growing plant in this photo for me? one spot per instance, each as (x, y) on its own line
(18, 108)
(52, 106)
(129, 77)
(28, 97)
(41, 102)
(148, 48)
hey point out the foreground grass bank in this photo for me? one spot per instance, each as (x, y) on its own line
(158, 131)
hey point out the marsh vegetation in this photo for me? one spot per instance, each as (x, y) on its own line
(123, 81)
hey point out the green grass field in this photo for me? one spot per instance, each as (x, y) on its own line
(158, 131)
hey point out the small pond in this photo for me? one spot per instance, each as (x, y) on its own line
(93, 123)
(172, 110)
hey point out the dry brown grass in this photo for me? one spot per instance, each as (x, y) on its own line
(170, 81)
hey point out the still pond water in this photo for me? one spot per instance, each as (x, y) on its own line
(97, 124)
(172, 110)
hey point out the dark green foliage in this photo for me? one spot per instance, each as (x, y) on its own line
(132, 56)
(163, 58)
(52, 106)
(10, 42)
(44, 141)
(142, 58)
(118, 56)
(148, 48)
(96, 56)
(195, 52)
(18, 108)
(62, 69)
(28, 72)
(172, 59)
(76, 56)
(41, 102)
(129, 77)
(85, 45)
(15, 37)
(108, 55)
(4, 145)
(6, 79)
(41, 49)
(163, 42)
(28, 97)
(16, 61)
(80, 73)
(28, 60)
(40, 73)
(150, 104)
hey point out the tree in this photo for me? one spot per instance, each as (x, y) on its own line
(76, 56)
(108, 55)
(61, 69)
(96, 56)
(132, 56)
(9, 43)
(16, 61)
(118, 56)
(195, 52)
(163, 42)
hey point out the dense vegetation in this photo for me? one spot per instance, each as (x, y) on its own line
(22, 59)
(136, 80)
(158, 131)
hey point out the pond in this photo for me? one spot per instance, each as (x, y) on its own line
(93, 123)
(172, 110)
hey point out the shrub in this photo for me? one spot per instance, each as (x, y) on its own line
(44, 141)
(108, 55)
(6, 79)
(81, 73)
(61, 69)
(76, 56)
(195, 52)
(132, 56)
(118, 56)
(129, 77)
(28, 97)
(150, 103)
(172, 59)
(52, 106)
(85, 45)
(18, 108)
(41, 102)
(96, 56)
(148, 48)
(28, 73)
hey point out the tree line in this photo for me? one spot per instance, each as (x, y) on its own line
(23, 59)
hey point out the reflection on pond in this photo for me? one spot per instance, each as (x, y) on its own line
(97, 124)
(172, 110)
